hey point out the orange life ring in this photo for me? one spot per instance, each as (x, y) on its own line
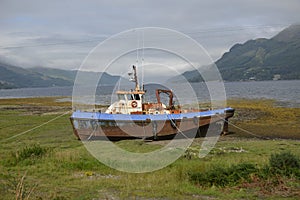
(134, 104)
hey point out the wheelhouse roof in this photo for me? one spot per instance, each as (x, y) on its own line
(130, 92)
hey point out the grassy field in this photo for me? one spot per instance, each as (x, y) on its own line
(48, 162)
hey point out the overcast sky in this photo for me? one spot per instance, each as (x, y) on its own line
(61, 33)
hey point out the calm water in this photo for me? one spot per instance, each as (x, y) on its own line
(287, 93)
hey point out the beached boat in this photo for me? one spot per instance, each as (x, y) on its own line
(132, 117)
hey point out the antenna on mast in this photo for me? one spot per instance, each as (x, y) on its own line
(135, 79)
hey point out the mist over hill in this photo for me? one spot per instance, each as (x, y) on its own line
(18, 77)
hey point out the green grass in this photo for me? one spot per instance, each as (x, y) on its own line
(281, 165)
(54, 165)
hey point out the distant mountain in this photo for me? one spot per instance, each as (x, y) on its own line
(260, 59)
(17, 77)
(56, 73)
(85, 76)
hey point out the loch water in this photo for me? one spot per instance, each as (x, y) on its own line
(286, 93)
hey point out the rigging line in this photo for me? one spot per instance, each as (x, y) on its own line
(143, 57)
(249, 132)
(94, 130)
(137, 49)
(143, 54)
(244, 130)
(178, 129)
(27, 131)
(192, 139)
(119, 83)
(144, 131)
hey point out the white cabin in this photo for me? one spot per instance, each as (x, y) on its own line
(131, 102)
(128, 102)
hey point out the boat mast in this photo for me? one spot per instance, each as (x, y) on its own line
(137, 87)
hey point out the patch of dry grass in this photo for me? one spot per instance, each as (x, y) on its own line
(37, 101)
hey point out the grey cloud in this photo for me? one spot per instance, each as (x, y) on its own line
(69, 25)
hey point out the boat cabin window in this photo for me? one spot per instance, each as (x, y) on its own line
(129, 97)
(135, 97)
(121, 97)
